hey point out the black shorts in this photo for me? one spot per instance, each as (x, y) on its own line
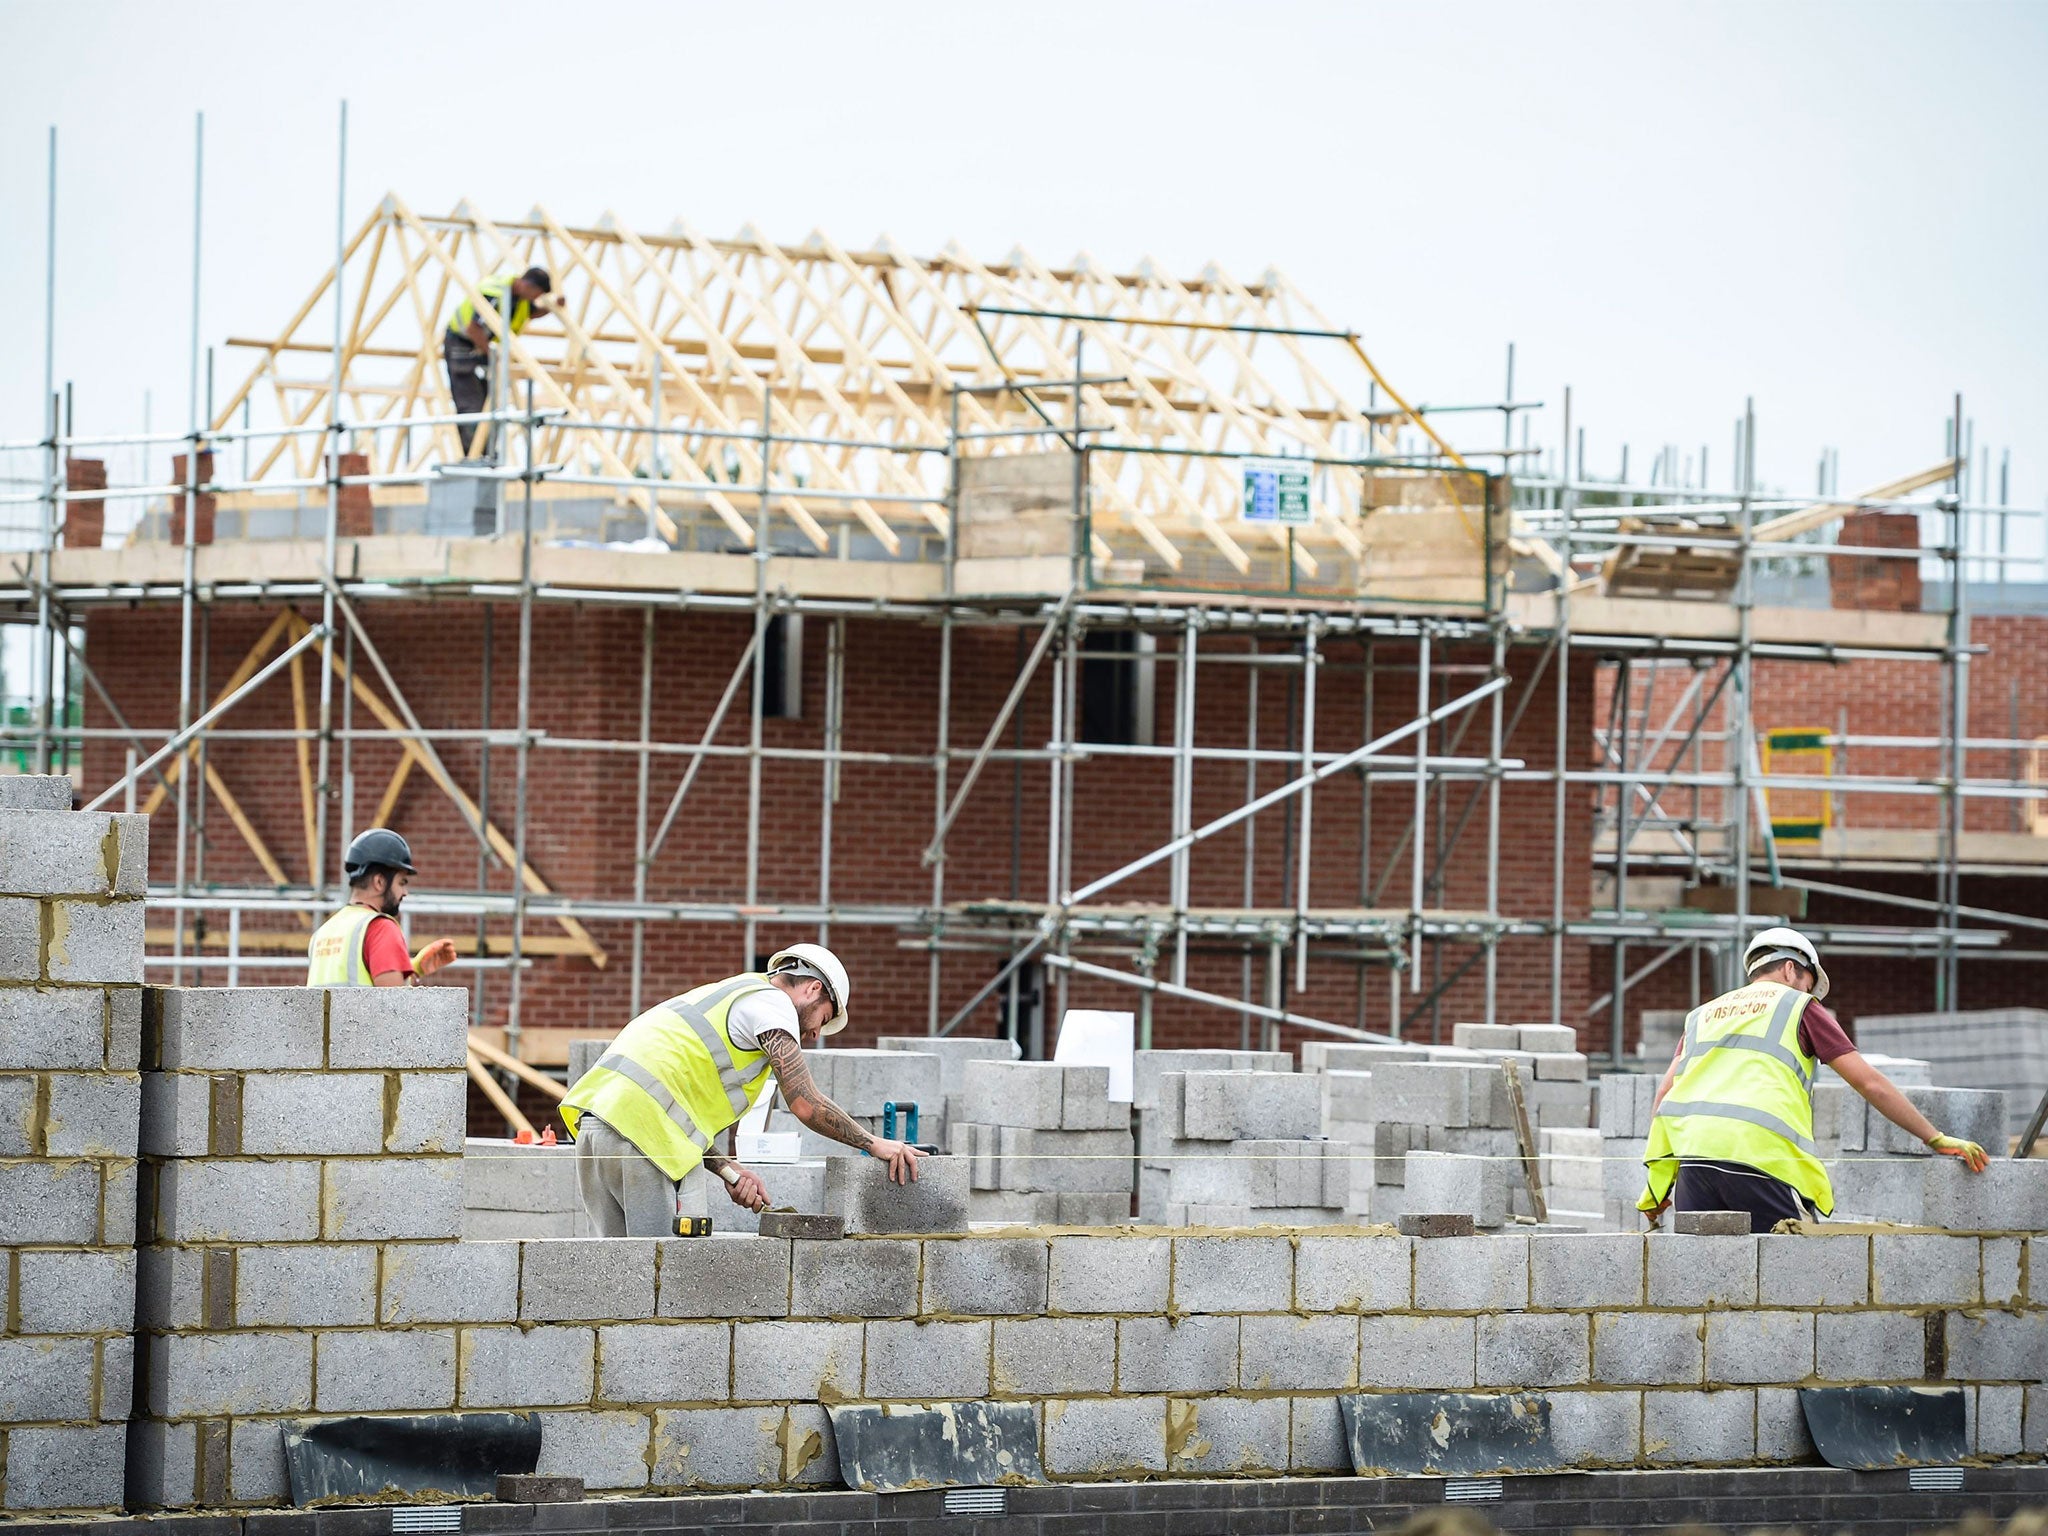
(1718, 1186)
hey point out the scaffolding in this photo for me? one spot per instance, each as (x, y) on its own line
(804, 431)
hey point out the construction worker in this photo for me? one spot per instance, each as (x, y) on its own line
(1734, 1122)
(466, 344)
(362, 944)
(649, 1111)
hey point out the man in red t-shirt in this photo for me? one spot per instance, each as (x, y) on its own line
(362, 944)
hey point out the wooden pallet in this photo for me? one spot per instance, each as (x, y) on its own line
(1702, 568)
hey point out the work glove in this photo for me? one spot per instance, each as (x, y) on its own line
(1974, 1157)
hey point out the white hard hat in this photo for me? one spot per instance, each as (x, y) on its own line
(1775, 944)
(817, 961)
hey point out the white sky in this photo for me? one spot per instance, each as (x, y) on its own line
(1836, 208)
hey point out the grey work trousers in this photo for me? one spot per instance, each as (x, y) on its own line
(624, 1193)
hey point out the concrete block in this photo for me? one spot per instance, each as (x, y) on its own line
(1917, 1269)
(1534, 1349)
(92, 1114)
(1020, 1093)
(67, 1468)
(255, 1029)
(1781, 1427)
(1597, 1429)
(1317, 1443)
(256, 1469)
(432, 1114)
(314, 1286)
(1487, 1037)
(977, 1144)
(1700, 1428)
(1425, 1092)
(1232, 1274)
(1472, 1274)
(1148, 1068)
(1560, 1067)
(606, 1450)
(1873, 1189)
(1626, 1103)
(1712, 1223)
(52, 1029)
(665, 1363)
(1746, 1348)
(35, 791)
(1053, 1356)
(1080, 1209)
(718, 1447)
(371, 1198)
(1105, 1436)
(1108, 1274)
(724, 1275)
(1547, 1039)
(1085, 1104)
(1235, 1106)
(1293, 1353)
(193, 1376)
(2008, 1196)
(859, 1188)
(2034, 1437)
(1596, 1269)
(861, 1081)
(1869, 1346)
(1800, 1270)
(583, 1281)
(1974, 1114)
(926, 1360)
(953, 1053)
(117, 1379)
(312, 1114)
(498, 1175)
(979, 1276)
(77, 854)
(800, 1185)
(469, 1282)
(45, 1379)
(392, 1027)
(778, 1361)
(163, 1463)
(1076, 1162)
(1997, 1425)
(74, 1292)
(1652, 1349)
(1222, 1436)
(1188, 1354)
(875, 1277)
(2003, 1281)
(18, 1119)
(1441, 1183)
(118, 1194)
(1347, 1097)
(377, 1371)
(1417, 1354)
(1020, 1208)
(527, 1367)
(1702, 1271)
(21, 938)
(90, 941)
(1997, 1346)
(176, 1116)
(1353, 1274)
(809, 1456)
(238, 1202)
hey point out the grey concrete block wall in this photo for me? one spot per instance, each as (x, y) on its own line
(70, 1126)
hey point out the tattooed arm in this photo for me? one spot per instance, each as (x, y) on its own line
(820, 1114)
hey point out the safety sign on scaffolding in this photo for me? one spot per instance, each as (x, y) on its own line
(1276, 491)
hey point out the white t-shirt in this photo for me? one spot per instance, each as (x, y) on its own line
(757, 1014)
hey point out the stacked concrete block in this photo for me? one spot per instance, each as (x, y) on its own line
(1148, 1067)
(1627, 1104)
(1455, 1102)
(954, 1052)
(1238, 1148)
(1573, 1185)
(288, 1135)
(1043, 1143)
(1879, 1172)
(2005, 1048)
(510, 1191)
(70, 1096)
(862, 1082)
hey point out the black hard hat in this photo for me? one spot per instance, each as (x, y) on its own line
(538, 276)
(379, 845)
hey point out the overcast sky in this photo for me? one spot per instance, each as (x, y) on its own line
(1837, 209)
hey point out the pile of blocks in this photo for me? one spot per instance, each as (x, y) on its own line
(2005, 1048)
(1574, 1187)
(298, 1144)
(861, 1082)
(1045, 1143)
(954, 1053)
(70, 1018)
(1228, 1145)
(1881, 1172)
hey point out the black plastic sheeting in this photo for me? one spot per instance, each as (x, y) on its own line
(442, 1453)
(1868, 1429)
(1447, 1434)
(897, 1447)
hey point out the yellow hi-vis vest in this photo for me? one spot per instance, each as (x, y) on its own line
(493, 288)
(1743, 1094)
(673, 1079)
(335, 956)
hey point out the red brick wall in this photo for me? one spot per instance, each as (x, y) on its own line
(580, 835)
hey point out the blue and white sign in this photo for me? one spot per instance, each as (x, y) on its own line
(1276, 491)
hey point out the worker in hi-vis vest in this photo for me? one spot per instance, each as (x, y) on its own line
(362, 944)
(466, 343)
(1734, 1123)
(647, 1114)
